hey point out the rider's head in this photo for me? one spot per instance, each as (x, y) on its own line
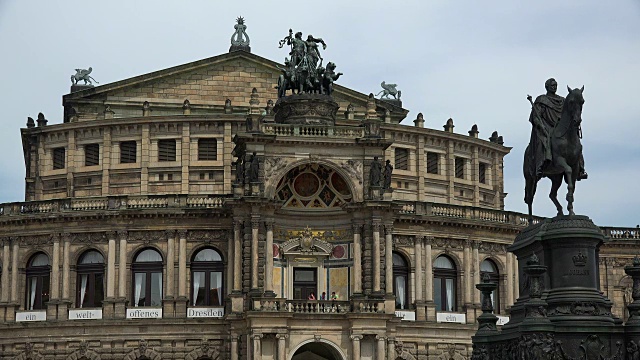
(551, 85)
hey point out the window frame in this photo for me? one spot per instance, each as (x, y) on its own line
(148, 268)
(207, 152)
(401, 162)
(165, 153)
(459, 174)
(430, 163)
(92, 152)
(125, 157)
(444, 274)
(208, 267)
(91, 270)
(398, 271)
(42, 274)
(59, 158)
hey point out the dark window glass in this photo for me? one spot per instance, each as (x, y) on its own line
(489, 267)
(482, 173)
(147, 279)
(402, 159)
(459, 168)
(167, 150)
(432, 163)
(207, 149)
(444, 284)
(90, 284)
(58, 158)
(91, 154)
(127, 152)
(207, 278)
(37, 294)
(400, 281)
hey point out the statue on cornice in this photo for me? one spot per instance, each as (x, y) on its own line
(240, 39)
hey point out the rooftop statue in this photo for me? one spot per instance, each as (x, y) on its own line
(82, 74)
(303, 71)
(554, 150)
(240, 39)
(389, 89)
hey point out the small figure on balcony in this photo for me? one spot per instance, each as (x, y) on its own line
(334, 297)
(312, 296)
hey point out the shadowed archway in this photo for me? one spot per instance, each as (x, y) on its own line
(316, 351)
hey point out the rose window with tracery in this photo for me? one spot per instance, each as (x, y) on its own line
(313, 186)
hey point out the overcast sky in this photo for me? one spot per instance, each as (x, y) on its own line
(474, 61)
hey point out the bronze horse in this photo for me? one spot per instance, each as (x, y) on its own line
(566, 150)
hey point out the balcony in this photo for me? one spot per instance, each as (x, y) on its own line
(360, 306)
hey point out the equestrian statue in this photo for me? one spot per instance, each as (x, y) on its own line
(554, 150)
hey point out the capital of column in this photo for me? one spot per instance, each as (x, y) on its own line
(381, 337)
(282, 336)
(182, 234)
(255, 223)
(467, 244)
(170, 234)
(388, 229)
(418, 239)
(269, 224)
(111, 235)
(375, 225)
(123, 234)
(357, 228)
(428, 240)
(257, 336)
(55, 237)
(356, 337)
(475, 244)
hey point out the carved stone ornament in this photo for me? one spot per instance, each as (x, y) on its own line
(402, 352)
(84, 353)
(146, 236)
(354, 169)
(89, 238)
(493, 249)
(143, 351)
(36, 240)
(29, 353)
(206, 236)
(240, 39)
(272, 165)
(450, 353)
(204, 351)
(447, 244)
(307, 243)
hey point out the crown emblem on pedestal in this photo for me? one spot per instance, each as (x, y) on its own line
(580, 259)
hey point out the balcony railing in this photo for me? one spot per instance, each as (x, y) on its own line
(112, 203)
(319, 306)
(300, 130)
(620, 233)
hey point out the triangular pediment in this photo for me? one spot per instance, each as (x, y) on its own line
(204, 83)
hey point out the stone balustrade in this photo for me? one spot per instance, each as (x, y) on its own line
(621, 233)
(313, 130)
(111, 203)
(318, 306)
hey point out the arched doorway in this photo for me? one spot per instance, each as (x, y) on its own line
(316, 350)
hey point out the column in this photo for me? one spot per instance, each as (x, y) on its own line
(356, 346)
(509, 268)
(357, 259)
(122, 265)
(257, 347)
(234, 347)
(230, 266)
(66, 265)
(237, 253)
(171, 234)
(391, 349)
(14, 269)
(268, 271)
(55, 268)
(376, 256)
(388, 258)
(6, 260)
(255, 222)
(428, 266)
(282, 350)
(111, 265)
(418, 271)
(476, 270)
(516, 280)
(380, 354)
(468, 283)
(182, 264)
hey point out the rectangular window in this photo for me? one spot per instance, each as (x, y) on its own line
(482, 173)
(128, 152)
(58, 158)
(91, 154)
(402, 159)
(167, 150)
(432, 163)
(459, 168)
(207, 149)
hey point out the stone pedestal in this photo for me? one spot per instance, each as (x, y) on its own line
(237, 302)
(561, 312)
(58, 310)
(169, 308)
(78, 87)
(8, 312)
(430, 311)
(180, 306)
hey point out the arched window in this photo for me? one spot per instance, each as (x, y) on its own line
(400, 281)
(206, 278)
(90, 283)
(38, 272)
(147, 278)
(490, 268)
(444, 284)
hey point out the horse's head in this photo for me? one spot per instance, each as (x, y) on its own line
(574, 102)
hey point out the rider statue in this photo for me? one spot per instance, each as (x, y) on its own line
(545, 114)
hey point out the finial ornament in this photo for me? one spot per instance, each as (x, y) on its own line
(240, 39)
